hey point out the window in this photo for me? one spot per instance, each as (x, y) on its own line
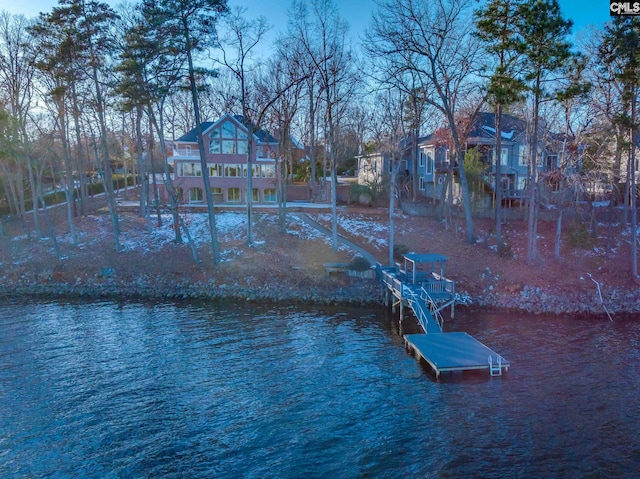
(228, 139)
(216, 190)
(504, 156)
(552, 162)
(270, 195)
(214, 147)
(523, 154)
(421, 160)
(421, 183)
(228, 130)
(228, 147)
(232, 170)
(429, 160)
(195, 195)
(256, 194)
(522, 183)
(233, 194)
(268, 171)
(215, 169)
(255, 171)
(189, 169)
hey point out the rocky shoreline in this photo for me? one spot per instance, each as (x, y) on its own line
(354, 292)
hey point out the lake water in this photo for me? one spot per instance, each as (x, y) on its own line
(187, 390)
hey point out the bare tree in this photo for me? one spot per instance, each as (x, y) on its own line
(17, 77)
(242, 37)
(284, 71)
(388, 132)
(322, 37)
(434, 40)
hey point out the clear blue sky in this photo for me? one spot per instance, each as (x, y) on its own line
(356, 12)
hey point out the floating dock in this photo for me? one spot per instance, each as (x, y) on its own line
(448, 352)
(420, 284)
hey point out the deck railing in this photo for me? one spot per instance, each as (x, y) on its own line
(439, 285)
(389, 279)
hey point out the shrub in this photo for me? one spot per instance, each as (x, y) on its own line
(504, 250)
(399, 250)
(579, 236)
(359, 264)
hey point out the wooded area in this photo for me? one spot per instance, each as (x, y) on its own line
(88, 92)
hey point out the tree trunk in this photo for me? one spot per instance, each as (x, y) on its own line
(312, 132)
(80, 162)
(144, 188)
(533, 181)
(173, 200)
(498, 179)
(556, 251)
(203, 154)
(108, 177)
(250, 150)
(632, 183)
(466, 198)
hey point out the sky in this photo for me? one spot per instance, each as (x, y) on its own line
(356, 12)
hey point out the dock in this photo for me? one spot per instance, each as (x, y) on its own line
(420, 285)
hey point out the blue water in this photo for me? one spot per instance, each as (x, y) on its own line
(187, 390)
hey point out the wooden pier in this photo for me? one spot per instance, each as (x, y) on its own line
(420, 284)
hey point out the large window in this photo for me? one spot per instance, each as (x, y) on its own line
(233, 194)
(189, 169)
(265, 152)
(215, 169)
(229, 147)
(270, 195)
(233, 170)
(195, 195)
(268, 171)
(227, 139)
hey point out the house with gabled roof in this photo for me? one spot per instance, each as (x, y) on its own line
(226, 144)
(434, 157)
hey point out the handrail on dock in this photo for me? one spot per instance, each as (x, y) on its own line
(424, 317)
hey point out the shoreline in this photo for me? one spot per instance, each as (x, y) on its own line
(535, 301)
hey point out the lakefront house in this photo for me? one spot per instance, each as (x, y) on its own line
(434, 159)
(226, 144)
